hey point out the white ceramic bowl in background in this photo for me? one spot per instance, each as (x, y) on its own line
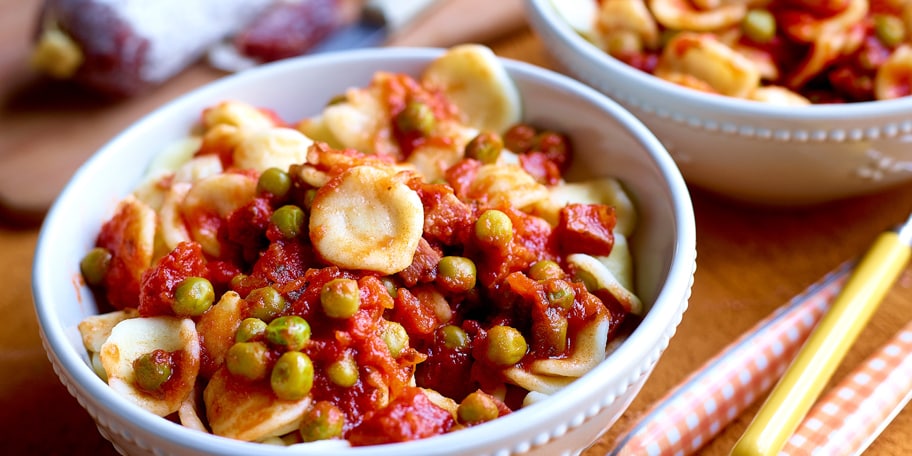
(748, 151)
(608, 140)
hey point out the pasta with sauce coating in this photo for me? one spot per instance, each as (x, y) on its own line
(778, 51)
(409, 277)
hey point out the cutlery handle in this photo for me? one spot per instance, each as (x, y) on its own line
(815, 363)
(853, 413)
(701, 406)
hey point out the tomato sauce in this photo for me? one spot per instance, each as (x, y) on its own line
(385, 402)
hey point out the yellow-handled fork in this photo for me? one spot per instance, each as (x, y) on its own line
(824, 349)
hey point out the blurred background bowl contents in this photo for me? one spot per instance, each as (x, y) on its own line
(777, 102)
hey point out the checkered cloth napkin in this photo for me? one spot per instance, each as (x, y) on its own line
(710, 398)
(854, 412)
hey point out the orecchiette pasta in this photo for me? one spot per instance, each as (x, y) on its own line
(134, 338)
(412, 249)
(211, 199)
(271, 148)
(367, 219)
(628, 16)
(772, 51)
(704, 58)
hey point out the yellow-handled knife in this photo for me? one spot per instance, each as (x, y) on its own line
(824, 349)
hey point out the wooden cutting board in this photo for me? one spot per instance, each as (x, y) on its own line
(48, 128)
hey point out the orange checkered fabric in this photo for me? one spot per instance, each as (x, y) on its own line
(710, 398)
(854, 412)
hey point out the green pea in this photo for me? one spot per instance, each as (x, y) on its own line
(759, 25)
(340, 298)
(343, 372)
(265, 303)
(193, 297)
(667, 35)
(395, 337)
(249, 360)
(291, 332)
(477, 407)
(889, 29)
(416, 117)
(337, 99)
(390, 285)
(95, 265)
(454, 337)
(506, 345)
(249, 329)
(238, 280)
(546, 269)
(494, 227)
(274, 181)
(485, 147)
(456, 273)
(292, 376)
(289, 220)
(322, 421)
(309, 196)
(152, 370)
(559, 293)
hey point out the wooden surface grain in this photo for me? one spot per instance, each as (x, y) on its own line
(750, 260)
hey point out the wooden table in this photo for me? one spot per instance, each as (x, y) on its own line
(750, 260)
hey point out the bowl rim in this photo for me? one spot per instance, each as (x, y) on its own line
(671, 299)
(659, 88)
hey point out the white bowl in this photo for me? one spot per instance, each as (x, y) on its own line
(748, 151)
(609, 140)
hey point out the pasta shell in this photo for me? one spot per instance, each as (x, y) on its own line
(778, 95)
(216, 196)
(189, 414)
(367, 218)
(706, 59)
(249, 411)
(431, 160)
(683, 15)
(198, 168)
(237, 114)
(630, 15)
(543, 384)
(507, 185)
(360, 122)
(135, 337)
(271, 148)
(171, 227)
(95, 329)
(829, 26)
(219, 324)
(133, 242)
(317, 128)
(474, 80)
(598, 277)
(579, 14)
(166, 166)
(588, 351)
(894, 76)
